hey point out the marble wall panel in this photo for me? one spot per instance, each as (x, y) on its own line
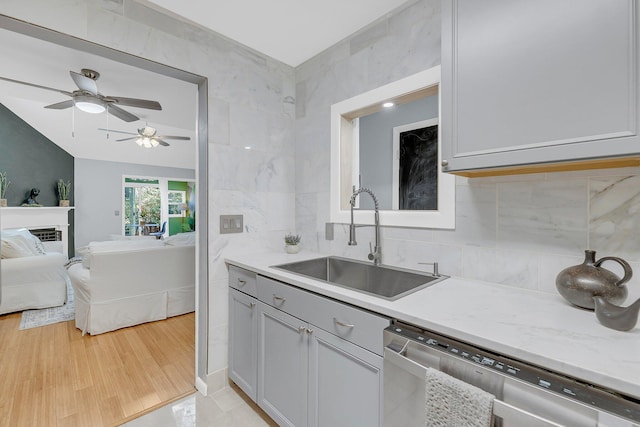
(614, 216)
(509, 267)
(543, 215)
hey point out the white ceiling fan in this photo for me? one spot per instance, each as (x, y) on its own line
(147, 137)
(88, 99)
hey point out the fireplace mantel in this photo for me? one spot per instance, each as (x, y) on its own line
(38, 217)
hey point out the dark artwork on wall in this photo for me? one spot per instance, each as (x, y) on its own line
(418, 169)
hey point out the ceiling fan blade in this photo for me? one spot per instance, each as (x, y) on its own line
(117, 131)
(61, 105)
(121, 114)
(38, 86)
(163, 143)
(134, 102)
(182, 138)
(126, 139)
(84, 82)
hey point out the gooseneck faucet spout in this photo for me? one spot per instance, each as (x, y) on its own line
(376, 252)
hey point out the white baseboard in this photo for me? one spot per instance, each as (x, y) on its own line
(217, 380)
(201, 386)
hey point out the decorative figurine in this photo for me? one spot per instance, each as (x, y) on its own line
(31, 200)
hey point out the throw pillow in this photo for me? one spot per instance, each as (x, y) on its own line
(20, 243)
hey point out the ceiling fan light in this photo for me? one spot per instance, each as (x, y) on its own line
(89, 104)
(139, 142)
(154, 143)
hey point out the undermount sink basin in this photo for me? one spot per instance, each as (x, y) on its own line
(383, 281)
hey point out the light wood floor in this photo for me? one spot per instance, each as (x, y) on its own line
(53, 376)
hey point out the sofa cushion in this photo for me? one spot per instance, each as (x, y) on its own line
(181, 239)
(20, 243)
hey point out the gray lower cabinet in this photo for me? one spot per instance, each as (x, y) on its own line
(243, 341)
(536, 82)
(306, 360)
(309, 377)
(282, 374)
(344, 383)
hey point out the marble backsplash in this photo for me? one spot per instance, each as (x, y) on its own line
(518, 231)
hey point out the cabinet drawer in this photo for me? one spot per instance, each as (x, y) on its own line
(353, 324)
(243, 280)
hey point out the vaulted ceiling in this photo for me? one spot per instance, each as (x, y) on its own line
(291, 31)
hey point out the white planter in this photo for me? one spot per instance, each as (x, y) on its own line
(292, 249)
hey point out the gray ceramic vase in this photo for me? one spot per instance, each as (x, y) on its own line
(580, 283)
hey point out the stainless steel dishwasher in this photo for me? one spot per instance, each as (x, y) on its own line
(525, 396)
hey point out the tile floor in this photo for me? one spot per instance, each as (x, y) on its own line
(228, 407)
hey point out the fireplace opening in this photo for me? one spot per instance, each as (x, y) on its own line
(47, 234)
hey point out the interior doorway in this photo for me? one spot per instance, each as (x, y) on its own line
(200, 191)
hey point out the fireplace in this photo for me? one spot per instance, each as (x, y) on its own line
(50, 222)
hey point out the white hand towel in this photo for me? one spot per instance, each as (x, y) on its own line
(453, 403)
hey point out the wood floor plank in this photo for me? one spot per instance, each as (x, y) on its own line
(54, 376)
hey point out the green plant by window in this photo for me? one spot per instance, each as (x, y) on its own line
(64, 188)
(292, 239)
(4, 183)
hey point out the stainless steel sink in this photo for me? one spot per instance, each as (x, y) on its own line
(380, 280)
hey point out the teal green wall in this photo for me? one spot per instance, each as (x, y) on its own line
(178, 225)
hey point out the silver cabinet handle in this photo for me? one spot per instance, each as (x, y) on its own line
(277, 298)
(252, 305)
(445, 163)
(346, 325)
(309, 331)
(301, 329)
(242, 282)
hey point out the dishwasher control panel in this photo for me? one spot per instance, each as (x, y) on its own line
(539, 377)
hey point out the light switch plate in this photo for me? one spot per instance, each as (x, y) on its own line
(231, 224)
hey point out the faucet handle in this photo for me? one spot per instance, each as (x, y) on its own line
(435, 267)
(371, 256)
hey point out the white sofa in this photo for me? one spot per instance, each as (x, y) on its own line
(122, 284)
(32, 275)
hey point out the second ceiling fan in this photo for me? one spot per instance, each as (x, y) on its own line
(147, 137)
(88, 99)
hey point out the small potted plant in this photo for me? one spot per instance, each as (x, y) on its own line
(63, 193)
(292, 243)
(4, 183)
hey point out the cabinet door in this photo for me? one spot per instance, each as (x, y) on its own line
(345, 383)
(282, 373)
(540, 81)
(243, 342)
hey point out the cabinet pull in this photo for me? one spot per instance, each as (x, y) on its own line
(301, 329)
(242, 282)
(309, 331)
(346, 325)
(252, 305)
(277, 298)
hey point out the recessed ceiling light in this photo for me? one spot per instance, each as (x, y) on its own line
(388, 104)
(247, 147)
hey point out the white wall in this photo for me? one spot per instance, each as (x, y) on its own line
(98, 195)
(516, 230)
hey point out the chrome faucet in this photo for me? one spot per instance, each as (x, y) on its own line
(376, 252)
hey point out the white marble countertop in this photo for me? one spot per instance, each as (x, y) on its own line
(536, 327)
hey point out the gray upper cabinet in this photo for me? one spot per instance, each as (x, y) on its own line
(536, 82)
